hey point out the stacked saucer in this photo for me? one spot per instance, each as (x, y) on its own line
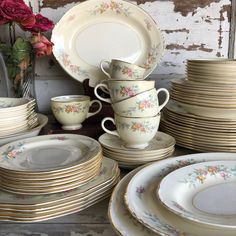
(160, 147)
(28, 208)
(201, 114)
(49, 163)
(16, 115)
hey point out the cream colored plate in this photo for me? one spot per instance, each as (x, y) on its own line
(142, 202)
(104, 29)
(177, 108)
(48, 153)
(118, 215)
(108, 171)
(206, 191)
(159, 142)
(48, 189)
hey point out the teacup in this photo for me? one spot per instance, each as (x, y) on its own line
(122, 89)
(72, 110)
(122, 70)
(135, 132)
(141, 105)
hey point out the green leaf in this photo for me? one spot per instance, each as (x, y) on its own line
(21, 49)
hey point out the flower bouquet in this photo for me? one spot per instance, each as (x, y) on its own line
(19, 52)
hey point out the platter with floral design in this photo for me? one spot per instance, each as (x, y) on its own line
(203, 192)
(48, 153)
(143, 204)
(95, 30)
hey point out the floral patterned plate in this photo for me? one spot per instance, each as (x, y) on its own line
(144, 205)
(109, 171)
(120, 218)
(48, 153)
(203, 192)
(105, 29)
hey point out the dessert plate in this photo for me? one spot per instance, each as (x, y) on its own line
(203, 192)
(142, 202)
(95, 30)
(48, 153)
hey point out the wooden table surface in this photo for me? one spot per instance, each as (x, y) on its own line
(90, 222)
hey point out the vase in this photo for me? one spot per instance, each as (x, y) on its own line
(20, 67)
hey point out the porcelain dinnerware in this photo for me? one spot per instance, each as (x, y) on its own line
(144, 205)
(204, 192)
(123, 89)
(122, 70)
(145, 104)
(120, 28)
(135, 132)
(72, 110)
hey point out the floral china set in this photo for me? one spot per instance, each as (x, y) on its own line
(134, 101)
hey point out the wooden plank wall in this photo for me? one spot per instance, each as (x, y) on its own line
(191, 28)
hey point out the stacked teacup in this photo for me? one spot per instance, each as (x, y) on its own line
(134, 101)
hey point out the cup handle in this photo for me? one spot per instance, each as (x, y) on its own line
(103, 70)
(98, 110)
(98, 96)
(167, 97)
(114, 132)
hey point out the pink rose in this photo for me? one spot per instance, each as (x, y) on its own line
(42, 24)
(18, 11)
(41, 45)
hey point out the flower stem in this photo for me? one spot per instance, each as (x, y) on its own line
(10, 34)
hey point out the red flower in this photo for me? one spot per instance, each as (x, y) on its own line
(41, 45)
(42, 24)
(18, 11)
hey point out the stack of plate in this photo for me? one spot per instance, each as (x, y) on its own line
(26, 208)
(197, 132)
(145, 203)
(16, 115)
(217, 71)
(202, 113)
(160, 147)
(42, 121)
(49, 163)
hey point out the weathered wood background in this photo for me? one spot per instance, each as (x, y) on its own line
(191, 28)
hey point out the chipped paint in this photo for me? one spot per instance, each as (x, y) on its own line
(193, 47)
(176, 30)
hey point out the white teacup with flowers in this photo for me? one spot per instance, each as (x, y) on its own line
(118, 69)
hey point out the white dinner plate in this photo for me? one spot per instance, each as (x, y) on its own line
(203, 192)
(48, 153)
(104, 29)
(144, 205)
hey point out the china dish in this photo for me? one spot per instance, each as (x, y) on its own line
(95, 30)
(160, 147)
(203, 192)
(48, 153)
(15, 207)
(143, 204)
(119, 216)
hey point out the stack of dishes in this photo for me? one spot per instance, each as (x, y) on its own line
(160, 147)
(202, 112)
(42, 121)
(216, 71)
(29, 208)
(145, 202)
(49, 163)
(16, 115)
